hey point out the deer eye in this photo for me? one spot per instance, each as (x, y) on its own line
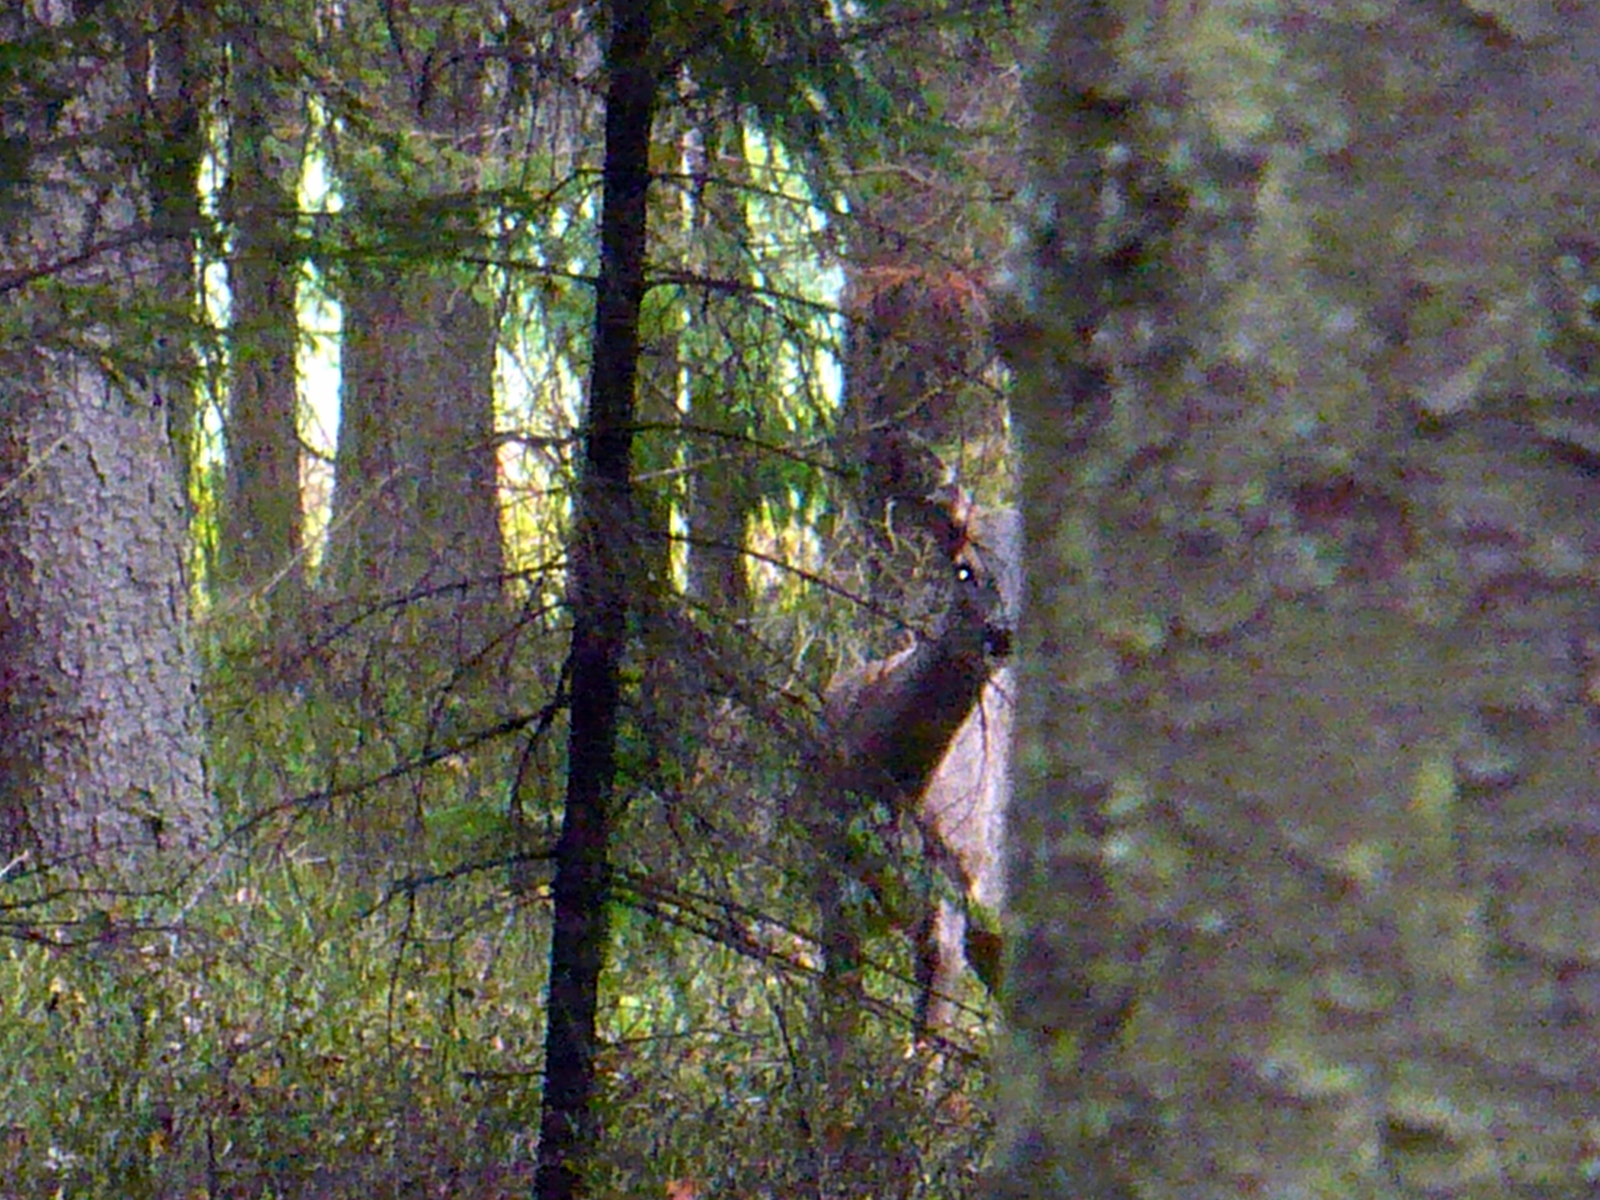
(964, 573)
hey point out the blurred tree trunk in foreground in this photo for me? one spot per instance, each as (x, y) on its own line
(100, 753)
(1310, 399)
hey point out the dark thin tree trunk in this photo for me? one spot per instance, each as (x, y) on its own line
(599, 588)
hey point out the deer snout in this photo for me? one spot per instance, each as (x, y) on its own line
(996, 641)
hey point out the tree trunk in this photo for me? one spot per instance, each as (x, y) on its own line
(100, 751)
(260, 551)
(918, 343)
(416, 474)
(1302, 884)
(599, 581)
(723, 491)
(416, 503)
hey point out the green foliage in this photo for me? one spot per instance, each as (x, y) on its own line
(811, 75)
(297, 1029)
(349, 1003)
(357, 1000)
(276, 1038)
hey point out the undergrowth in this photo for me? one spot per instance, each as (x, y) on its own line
(350, 1007)
(303, 1032)
(283, 1041)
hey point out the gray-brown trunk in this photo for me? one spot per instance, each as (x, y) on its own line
(1305, 829)
(259, 551)
(416, 505)
(100, 750)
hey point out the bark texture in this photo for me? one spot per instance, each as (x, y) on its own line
(100, 754)
(1304, 875)
(259, 550)
(416, 506)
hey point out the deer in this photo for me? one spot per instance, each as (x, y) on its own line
(924, 735)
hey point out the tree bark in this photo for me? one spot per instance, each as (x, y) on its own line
(416, 503)
(723, 490)
(918, 343)
(260, 550)
(100, 749)
(1302, 889)
(599, 581)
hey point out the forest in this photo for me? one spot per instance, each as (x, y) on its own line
(897, 600)
(474, 474)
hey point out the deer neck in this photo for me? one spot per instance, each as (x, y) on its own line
(906, 717)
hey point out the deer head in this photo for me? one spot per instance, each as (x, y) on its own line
(893, 720)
